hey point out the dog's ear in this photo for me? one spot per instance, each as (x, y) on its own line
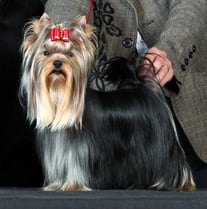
(32, 30)
(87, 28)
(81, 20)
(43, 22)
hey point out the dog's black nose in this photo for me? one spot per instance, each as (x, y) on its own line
(57, 63)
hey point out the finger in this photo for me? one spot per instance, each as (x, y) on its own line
(154, 53)
(158, 61)
(162, 65)
(162, 72)
(164, 75)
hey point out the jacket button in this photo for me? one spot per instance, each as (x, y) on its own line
(190, 55)
(183, 68)
(186, 60)
(194, 48)
(127, 43)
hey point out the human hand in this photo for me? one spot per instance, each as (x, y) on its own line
(161, 63)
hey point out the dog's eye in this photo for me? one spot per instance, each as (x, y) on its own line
(46, 53)
(70, 54)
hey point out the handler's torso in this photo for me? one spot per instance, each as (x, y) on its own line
(117, 24)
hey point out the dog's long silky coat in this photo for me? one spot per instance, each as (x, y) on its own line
(121, 139)
(128, 140)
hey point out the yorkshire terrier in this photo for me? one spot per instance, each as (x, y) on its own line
(87, 139)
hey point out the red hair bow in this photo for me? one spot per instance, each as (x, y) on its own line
(56, 33)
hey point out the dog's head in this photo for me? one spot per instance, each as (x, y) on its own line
(57, 59)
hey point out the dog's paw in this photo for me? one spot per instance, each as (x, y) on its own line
(188, 186)
(69, 188)
(77, 188)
